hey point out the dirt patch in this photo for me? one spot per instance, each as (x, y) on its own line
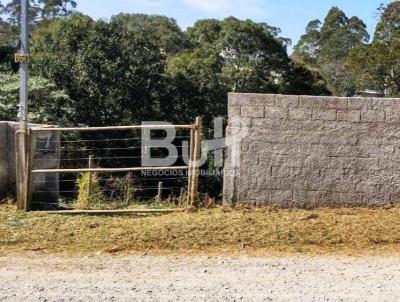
(159, 278)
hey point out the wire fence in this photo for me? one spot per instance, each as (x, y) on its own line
(103, 168)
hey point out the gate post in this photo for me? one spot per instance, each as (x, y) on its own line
(20, 168)
(23, 161)
(195, 166)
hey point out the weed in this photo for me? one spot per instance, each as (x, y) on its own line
(90, 194)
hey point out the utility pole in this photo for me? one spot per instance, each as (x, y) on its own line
(23, 59)
(22, 136)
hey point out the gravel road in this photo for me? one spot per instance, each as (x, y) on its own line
(184, 278)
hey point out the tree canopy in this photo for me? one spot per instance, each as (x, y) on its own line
(377, 65)
(325, 47)
(140, 67)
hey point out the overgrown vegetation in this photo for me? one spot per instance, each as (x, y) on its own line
(118, 193)
(90, 195)
(220, 230)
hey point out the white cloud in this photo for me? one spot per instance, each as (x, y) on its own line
(229, 7)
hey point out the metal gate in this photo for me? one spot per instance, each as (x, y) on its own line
(63, 165)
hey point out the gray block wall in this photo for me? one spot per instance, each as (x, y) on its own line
(3, 160)
(308, 151)
(45, 147)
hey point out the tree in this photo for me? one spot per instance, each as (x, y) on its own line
(47, 103)
(377, 66)
(39, 11)
(112, 74)
(307, 49)
(161, 30)
(52, 9)
(251, 57)
(12, 12)
(389, 22)
(301, 80)
(232, 55)
(326, 46)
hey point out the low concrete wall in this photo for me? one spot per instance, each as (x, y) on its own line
(4, 171)
(306, 151)
(47, 157)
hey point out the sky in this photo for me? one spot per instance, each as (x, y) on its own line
(291, 16)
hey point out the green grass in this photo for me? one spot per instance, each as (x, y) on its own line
(220, 230)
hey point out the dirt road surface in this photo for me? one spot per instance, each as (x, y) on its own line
(186, 278)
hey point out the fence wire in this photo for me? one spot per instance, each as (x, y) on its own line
(105, 149)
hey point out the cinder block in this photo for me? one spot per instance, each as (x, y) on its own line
(349, 115)
(234, 111)
(251, 99)
(389, 104)
(276, 113)
(281, 195)
(359, 103)
(324, 114)
(287, 101)
(392, 116)
(252, 111)
(372, 116)
(336, 103)
(323, 102)
(299, 113)
(309, 101)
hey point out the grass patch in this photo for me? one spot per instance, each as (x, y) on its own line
(220, 230)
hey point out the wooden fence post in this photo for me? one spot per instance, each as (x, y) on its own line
(23, 161)
(129, 194)
(20, 168)
(181, 198)
(194, 183)
(191, 154)
(28, 167)
(159, 192)
(90, 176)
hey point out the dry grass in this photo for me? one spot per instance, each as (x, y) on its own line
(221, 230)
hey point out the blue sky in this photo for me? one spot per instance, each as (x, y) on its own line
(291, 16)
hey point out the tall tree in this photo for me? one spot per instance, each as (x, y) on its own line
(234, 55)
(39, 11)
(12, 12)
(325, 46)
(307, 49)
(377, 66)
(161, 30)
(52, 9)
(251, 57)
(389, 22)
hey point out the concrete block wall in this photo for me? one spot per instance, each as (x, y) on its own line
(310, 151)
(3, 159)
(46, 156)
